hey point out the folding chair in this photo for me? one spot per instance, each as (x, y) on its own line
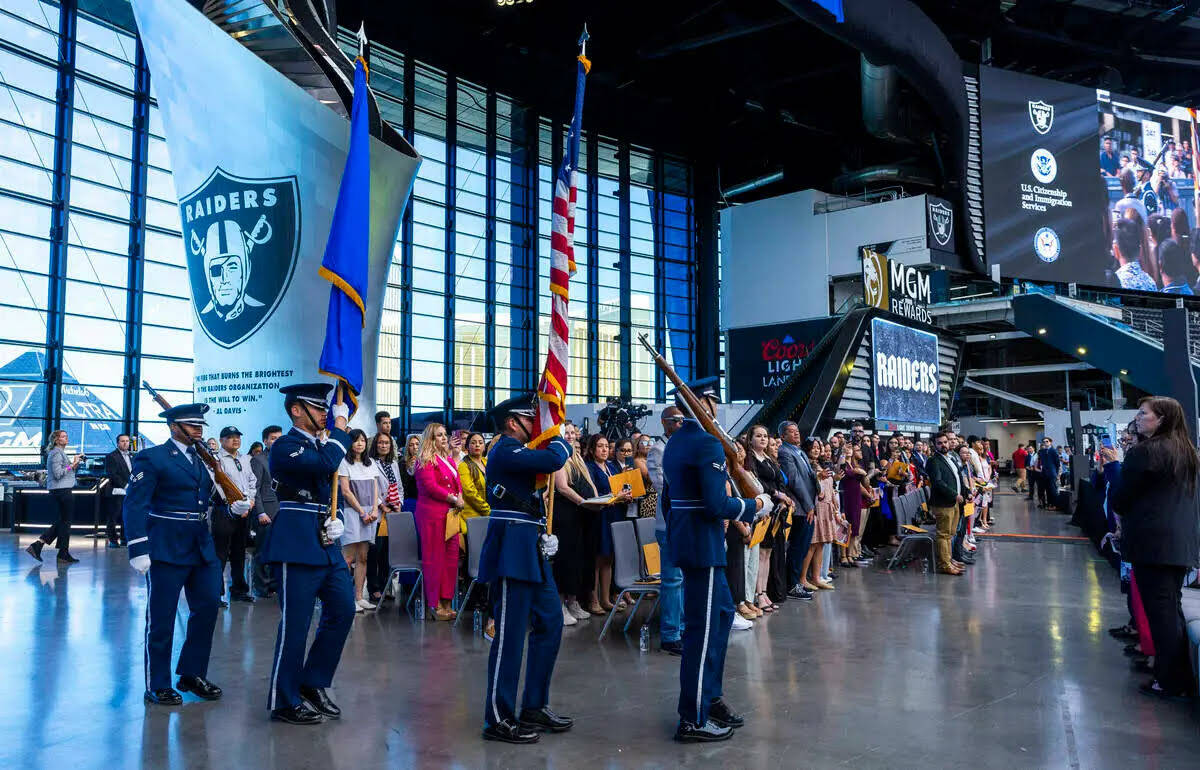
(477, 527)
(911, 504)
(644, 529)
(404, 552)
(627, 572)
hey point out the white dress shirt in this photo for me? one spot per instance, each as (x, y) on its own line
(242, 476)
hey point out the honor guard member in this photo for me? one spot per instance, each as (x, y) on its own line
(302, 548)
(695, 504)
(167, 507)
(515, 563)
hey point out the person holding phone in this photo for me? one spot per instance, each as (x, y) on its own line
(60, 480)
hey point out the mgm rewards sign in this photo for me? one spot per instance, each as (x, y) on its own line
(894, 286)
(257, 162)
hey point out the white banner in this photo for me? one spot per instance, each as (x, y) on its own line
(257, 163)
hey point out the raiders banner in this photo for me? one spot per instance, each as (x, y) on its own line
(257, 162)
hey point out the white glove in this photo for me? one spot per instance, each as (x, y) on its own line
(240, 508)
(340, 410)
(334, 528)
(118, 490)
(140, 563)
(768, 506)
(550, 544)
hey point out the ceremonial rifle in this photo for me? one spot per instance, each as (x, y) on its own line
(747, 485)
(232, 493)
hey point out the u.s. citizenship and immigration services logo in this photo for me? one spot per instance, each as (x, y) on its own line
(1041, 115)
(242, 238)
(941, 219)
(1046, 244)
(1043, 165)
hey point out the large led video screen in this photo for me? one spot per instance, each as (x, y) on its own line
(904, 364)
(1063, 163)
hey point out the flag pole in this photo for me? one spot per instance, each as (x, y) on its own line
(333, 501)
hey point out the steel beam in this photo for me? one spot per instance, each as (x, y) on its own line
(1004, 394)
(1070, 366)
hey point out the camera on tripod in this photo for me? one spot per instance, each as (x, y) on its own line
(618, 420)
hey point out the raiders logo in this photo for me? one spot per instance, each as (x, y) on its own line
(1042, 116)
(242, 236)
(941, 220)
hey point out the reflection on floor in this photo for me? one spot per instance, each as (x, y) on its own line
(1007, 667)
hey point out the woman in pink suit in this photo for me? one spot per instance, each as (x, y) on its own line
(439, 495)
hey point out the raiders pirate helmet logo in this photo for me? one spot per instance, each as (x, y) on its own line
(1041, 115)
(242, 238)
(941, 220)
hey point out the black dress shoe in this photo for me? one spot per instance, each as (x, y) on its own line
(165, 697)
(510, 732)
(719, 712)
(1132, 649)
(675, 648)
(35, 549)
(707, 732)
(300, 714)
(247, 598)
(66, 558)
(199, 686)
(1124, 632)
(222, 603)
(320, 700)
(544, 719)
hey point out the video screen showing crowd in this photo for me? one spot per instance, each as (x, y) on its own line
(1089, 187)
(1146, 161)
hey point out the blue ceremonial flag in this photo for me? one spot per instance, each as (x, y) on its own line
(834, 7)
(345, 261)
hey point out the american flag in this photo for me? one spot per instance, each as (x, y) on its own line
(552, 389)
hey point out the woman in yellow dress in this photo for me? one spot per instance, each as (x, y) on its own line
(472, 471)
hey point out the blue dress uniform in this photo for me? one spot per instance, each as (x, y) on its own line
(166, 511)
(695, 503)
(306, 570)
(521, 583)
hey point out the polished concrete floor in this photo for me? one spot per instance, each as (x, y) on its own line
(1008, 667)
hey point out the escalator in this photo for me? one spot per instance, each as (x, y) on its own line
(1109, 345)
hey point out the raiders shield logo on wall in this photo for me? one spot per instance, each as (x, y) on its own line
(1042, 116)
(941, 222)
(242, 238)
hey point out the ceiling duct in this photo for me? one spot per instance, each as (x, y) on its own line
(887, 112)
(898, 33)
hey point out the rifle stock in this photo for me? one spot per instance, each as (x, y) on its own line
(747, 485)
(232, 493)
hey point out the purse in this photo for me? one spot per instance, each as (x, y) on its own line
(648, 504)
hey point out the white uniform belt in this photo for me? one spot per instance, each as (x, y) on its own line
(515, 517)
(290, 505)
(180, 515)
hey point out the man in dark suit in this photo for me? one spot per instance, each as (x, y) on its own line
(1049, 463)
(117, 466)
(802, 483)
(944, 499)
(266, 505)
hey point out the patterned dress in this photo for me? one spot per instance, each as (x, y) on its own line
(826, 509)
